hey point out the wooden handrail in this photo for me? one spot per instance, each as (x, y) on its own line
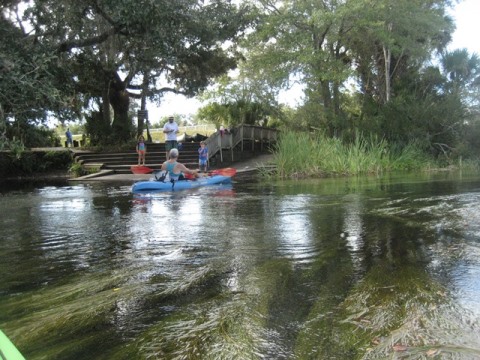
(217, 143)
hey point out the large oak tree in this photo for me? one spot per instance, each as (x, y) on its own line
(112, 51)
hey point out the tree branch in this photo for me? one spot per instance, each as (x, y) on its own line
(103, 14)
(172, 90)
(135, 87)
(115, 29)
(69, 45)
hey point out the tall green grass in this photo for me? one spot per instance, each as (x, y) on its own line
(313, 155)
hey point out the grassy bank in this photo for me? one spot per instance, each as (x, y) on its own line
(314, 155)
(156, 133)
(33, 163)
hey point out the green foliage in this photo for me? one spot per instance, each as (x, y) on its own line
(28, 163)
(243, 99)
(300, 154)
(16, 148)
(22, 134)
(107, 51)
(470, 146)
(237, 113)
(31, 78)
(76, 170)
(216, 113)
(56, 160)
(364, 69)
(180, 119)
(34, 136)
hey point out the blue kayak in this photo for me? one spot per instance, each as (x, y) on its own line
(155, 185)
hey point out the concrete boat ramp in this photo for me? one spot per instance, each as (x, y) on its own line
(244, 168)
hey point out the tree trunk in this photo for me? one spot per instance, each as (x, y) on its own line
(106, 105)
(143, 107)
(327, 105)
(387, 57)
(121, 126)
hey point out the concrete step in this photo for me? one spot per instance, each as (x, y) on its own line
(130, 155)
(121, 162)
(93, 165)
(134, 159)
(125, 168)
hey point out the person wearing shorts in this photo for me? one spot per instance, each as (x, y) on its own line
(141, 150)
(203, 156)
(170, 129)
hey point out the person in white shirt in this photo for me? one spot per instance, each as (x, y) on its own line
(170, 129)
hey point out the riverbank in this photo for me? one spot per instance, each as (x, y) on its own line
(244, 168)
(35, 164)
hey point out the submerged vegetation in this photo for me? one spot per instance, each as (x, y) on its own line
(293, 273)
(395, 314)
(403, 313)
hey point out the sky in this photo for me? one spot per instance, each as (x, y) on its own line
(467, 35)
(466, 16)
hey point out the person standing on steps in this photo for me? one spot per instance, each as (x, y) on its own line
(141, 150)
(170, 129)
(69, 136)
(203, 156)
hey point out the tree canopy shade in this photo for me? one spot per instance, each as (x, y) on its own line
(29, 76)
(110, 51)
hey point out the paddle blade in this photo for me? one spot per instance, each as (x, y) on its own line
(140, 169)
(224, 172)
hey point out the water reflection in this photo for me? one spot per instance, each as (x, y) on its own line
(336, 268)
(352, 228)
(293, 221)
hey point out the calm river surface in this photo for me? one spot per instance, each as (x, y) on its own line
(364, 268)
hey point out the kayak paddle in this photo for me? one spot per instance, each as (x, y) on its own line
(141, 169)
(224, 172)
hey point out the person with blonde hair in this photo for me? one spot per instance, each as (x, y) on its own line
(174, 169)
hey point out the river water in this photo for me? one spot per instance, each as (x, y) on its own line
(358, 268)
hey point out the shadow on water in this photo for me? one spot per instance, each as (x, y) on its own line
(367, 268)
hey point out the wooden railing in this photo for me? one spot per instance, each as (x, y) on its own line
(219, 144)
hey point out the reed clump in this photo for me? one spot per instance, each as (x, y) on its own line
(302, 155)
